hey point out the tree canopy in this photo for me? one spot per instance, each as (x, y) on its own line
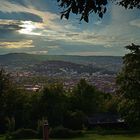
(128, 82)
(86, 7)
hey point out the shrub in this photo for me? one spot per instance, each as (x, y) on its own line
(24, 134)
(61, 132)
(75, 120)
(10, 124)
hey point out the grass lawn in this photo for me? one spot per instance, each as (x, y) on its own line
(1, 137)
(99, 137)
(106, 137)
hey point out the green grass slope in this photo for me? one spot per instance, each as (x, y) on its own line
(106, 137)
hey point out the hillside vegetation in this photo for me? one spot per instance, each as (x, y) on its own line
(110, 63)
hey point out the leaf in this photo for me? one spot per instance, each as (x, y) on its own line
(105, 10)
(75, 9)
(101, 15)
(62, 15)
(105, 2)
(86, 18)
(67, 15)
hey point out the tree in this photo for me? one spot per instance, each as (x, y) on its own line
(75, 120)
(12, 103)
(130, 4)
(5, 82)
(15, 102)
(86, 7)
(4, 87)
(128, 82)
(53, 104)
(85, 98)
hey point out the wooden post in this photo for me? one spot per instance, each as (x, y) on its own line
(46, 131)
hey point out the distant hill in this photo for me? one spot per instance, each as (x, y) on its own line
(23, 60)
(53, 67)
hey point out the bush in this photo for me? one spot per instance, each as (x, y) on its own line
(61, 132)
(24, 134)
(75, 120)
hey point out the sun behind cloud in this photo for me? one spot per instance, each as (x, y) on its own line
(28, 28)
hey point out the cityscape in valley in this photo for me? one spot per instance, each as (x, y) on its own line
(69, 69)
(33, 72)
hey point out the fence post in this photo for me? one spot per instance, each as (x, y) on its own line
(46, 131)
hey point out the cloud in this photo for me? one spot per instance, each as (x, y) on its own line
(135, 23)
(30, 28)
(44, 16)
(9, 30)
(38, 52)
(87, 38)
(53, 47)
(20, 16)
(9, 25)
(17, 44)
(70, 27)
(42, 5)
(98, 22)
(43, 21)
(37, 21)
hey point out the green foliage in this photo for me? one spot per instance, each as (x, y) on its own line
(40, 126)
(128, 82)
(33, 110)
(10, 124)
(29, 110)
(85, 98)
(75, 120)
(24, 134)
(61, 132)
(53, 104)
(5, 86)
(5, 82)
(110, 103)
(15, 105)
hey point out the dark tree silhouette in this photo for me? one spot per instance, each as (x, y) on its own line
(86, 7)
(128, 83)
(130, 4)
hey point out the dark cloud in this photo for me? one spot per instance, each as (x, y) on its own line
(21, 2)
(9, 28)
(42, 5)
(20, 16)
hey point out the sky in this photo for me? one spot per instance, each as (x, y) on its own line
(35, 27)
